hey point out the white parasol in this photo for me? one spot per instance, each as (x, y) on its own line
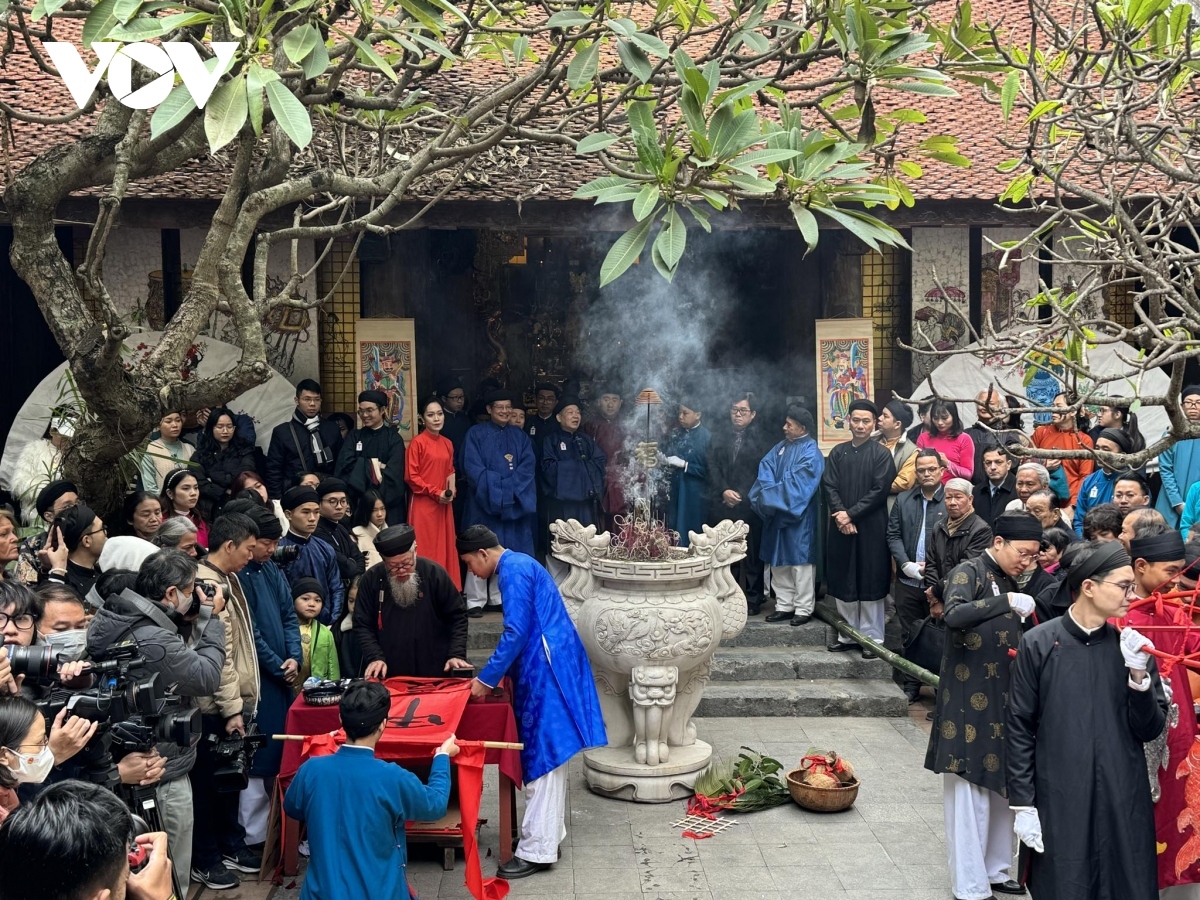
(966, 375)
(268, 404)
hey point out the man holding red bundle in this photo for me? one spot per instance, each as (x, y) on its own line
(1157, 562)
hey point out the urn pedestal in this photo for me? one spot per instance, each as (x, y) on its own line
(650, 629)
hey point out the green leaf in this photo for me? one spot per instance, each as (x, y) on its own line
(762, 157)
(520, 48)
(184, 20)
(651, 44)
(596, 185)
(44, 8)
(646, 201)
(290, 113)
(623, 253)
(922, 87)
(1008, 93)
(177, 107)
(583, 67)
(700, 216)
(125, 10)
(300, 41)
(870, 230)
(807, 223)
(257, 78)
(225, 113)
(672, 239)
(635, 61)
(99, 21)
(1043, 108)
(138, 30)
(368, 54)
(910, 116)
(645, 135)
(909, 168)
(594, 143)
(568, 18)
(317, 62)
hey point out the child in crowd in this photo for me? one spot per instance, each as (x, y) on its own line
(316, 640)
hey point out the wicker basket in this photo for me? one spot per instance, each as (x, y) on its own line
(820, 799)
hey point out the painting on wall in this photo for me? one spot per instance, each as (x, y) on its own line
(845, 373)
(941, 310)
(1005, 289)
(385, 361)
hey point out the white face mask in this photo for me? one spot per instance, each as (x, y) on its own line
(32, 769)
(70, 644)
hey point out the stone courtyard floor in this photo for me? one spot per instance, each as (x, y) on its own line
(890, 844)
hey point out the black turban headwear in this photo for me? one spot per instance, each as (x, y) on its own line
(395, 540)
(1119, 437)
(864, 405)
(499, 396)
(900, 412)
(49, 495)
(1017, 526)
(477, 537)
(331, 486)
(1108, 556)
(565, 402)
(1158, 548)
(379, 398)
(801, 417)
(298, 496)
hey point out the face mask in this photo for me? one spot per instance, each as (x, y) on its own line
(69, 644)
(33, 769)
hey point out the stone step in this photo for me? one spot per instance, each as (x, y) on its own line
(758, 633)
(790, 664)
(483, 633)
(821, 697)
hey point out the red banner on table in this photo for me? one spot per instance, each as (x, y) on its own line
(424, 712)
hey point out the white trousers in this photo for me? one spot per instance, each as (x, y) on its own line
(480, 592)
(254, 809)
(544, 825)
(175, 805)
(795, 589)
(867, 617)
(979, 838)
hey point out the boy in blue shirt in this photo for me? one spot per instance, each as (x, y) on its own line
(356, 806)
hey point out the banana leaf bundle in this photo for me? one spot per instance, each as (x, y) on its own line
(748, 784)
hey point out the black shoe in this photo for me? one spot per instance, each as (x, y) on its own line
(777, 617)
(869, 654)
(474, 612)
(912, 692)
(215, 878)
(520, 868)
(839, 647)
(1009, 887)
(494, 607)
(242, 861)
(802, 620)
(753, 609)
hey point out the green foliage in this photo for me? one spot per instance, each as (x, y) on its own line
(750, 783)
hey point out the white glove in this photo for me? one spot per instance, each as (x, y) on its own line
(1021, 604)
(1028, 827)
(677, 462)
(1134, 647)
(911, 570)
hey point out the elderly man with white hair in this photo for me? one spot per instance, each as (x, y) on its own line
(409, 617)
(1031, 477)
(960, 536)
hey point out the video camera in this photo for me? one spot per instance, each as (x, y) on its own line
(133, 710)
(285, 554)
(234, 754)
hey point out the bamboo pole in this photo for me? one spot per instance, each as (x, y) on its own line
(487, 745)
(894, 659)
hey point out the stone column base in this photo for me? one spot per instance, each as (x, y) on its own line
(612, 772)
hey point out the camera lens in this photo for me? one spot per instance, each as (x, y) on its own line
(38, 661)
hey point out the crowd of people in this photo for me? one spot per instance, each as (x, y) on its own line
(344, 552)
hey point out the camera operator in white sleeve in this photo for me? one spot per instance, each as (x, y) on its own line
(184, 645)
(219, 840)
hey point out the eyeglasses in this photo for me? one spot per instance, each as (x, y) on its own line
(740, 411)
(333, 501)
(40, 745)
(1191, 404)
(23, 622)
(103, 529)
(1024, 554)
(1128, 588)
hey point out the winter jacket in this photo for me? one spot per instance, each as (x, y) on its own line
(350, 559)
(238, 692)
(291, 453)
(318, 560)
(948, 550)
(222, 467)
(904, 524)
(37, 465)
(323, 657)
(160, 460)
(192, 666)
(988, 505)
(727, 473)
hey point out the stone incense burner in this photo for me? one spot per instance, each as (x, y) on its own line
(651, 629)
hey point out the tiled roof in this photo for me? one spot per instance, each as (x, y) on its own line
(529, 172)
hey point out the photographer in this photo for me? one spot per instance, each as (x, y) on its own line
(73, 843)
(73, 548)
(164, 607)
(218, 841)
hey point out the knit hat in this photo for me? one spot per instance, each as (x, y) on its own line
(307, 585)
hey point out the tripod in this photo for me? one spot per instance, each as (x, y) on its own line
(142, 801)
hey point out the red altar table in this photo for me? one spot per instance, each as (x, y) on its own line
(484, 719)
